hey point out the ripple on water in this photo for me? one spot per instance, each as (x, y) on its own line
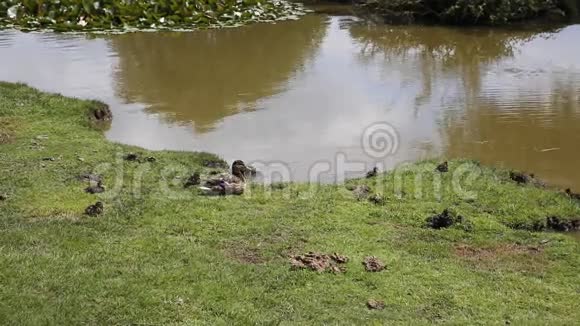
(6, 38)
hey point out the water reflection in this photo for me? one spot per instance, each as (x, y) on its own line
(202, 77)
(505, 97)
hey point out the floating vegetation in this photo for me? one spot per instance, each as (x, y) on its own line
(131, 15)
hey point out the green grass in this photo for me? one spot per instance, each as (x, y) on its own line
(187, 259)
(116, 15)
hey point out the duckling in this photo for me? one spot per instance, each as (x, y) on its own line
(572, 194)
(94, 210)
(373, 173)
(443, 167)
(361, 192)
(377, 199)
(193, 180)
(519, 177)
(95, 188)
(132, 157)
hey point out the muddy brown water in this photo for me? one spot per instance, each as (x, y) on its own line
(302, 93)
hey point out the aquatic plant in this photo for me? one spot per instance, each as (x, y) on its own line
(126, 15)
(462, 11)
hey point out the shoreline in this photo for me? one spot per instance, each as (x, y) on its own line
(453, 244)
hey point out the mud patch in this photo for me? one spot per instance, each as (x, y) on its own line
(319, 262)
(95, 209)
(375, 304)
(373, 264)
(244, 254)
(503, 256)
(489, 253)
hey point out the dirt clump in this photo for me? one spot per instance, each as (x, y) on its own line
(504, 256)
(339, 258)
(193, 180)
(319, 262)
(443, 220)
(245, 255)
(443, 167)
(95, 209)
(491, 253)
(375, 304)
(373, 264)
(563, 225)
(373, 173)
(95, 187)
(100, 112)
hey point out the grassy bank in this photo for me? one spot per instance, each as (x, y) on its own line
(103, 15)
(163, 254)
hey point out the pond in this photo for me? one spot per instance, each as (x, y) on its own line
(303, 93)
